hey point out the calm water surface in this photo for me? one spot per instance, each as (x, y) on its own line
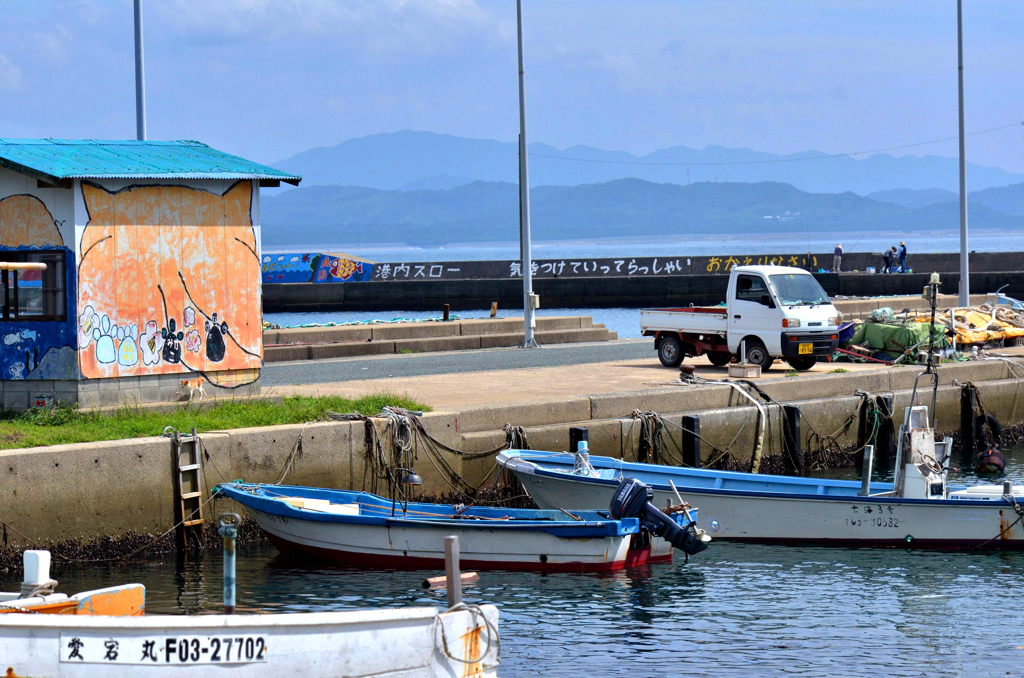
(735, 610)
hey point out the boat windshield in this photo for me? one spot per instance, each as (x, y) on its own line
(795, 289)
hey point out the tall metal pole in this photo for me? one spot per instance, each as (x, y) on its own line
(525, 246)
(140, 77)
(965, 280)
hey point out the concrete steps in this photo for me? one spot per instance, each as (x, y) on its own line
(422, 337)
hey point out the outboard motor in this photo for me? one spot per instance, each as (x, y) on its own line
(632, 499)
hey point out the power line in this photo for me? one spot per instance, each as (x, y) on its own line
(770, 162)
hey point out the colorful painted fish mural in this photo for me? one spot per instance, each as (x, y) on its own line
(158, 260)
(304, 267)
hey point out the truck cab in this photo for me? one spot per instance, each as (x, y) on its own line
(770, 312)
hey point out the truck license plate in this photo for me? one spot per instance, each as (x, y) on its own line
(806, 348)
(92, 648)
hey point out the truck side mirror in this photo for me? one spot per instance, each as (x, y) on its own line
(766, 300)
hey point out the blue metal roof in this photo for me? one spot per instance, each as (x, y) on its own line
(54, 160)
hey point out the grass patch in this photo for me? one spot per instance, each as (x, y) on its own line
(65, 423)
(839, 370)
(792, 373)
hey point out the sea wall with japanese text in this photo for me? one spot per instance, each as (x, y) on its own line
(627, 282)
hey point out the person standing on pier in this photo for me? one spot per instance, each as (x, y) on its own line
(887, 261)
(902, 255)
(837, 258)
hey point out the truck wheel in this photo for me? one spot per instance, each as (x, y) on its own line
(670, 352)
(758, 354)
(802, 363)
(719, 358)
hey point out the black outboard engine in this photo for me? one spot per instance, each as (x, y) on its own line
(632, 499)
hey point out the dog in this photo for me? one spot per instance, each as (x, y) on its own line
(193, 386)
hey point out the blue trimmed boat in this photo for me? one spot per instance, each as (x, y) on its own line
(367, 530)
(917, 510)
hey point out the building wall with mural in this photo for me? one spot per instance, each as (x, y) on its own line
(37, 324)
(168, 279)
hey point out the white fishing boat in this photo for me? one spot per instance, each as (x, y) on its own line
(420, 641)
(367, 530)
(918, 510)
(104, 633)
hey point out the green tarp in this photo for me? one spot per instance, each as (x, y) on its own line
(893, 340)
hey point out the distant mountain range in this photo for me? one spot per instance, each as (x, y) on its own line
(489, 211)
(411, 160)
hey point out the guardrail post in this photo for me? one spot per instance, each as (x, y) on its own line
(452, 570)
(691, 440)
(228, 529)
(865, 470)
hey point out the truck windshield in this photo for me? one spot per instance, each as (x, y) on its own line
(798, 290)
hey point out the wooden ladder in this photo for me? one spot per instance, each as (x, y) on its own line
(185, 449)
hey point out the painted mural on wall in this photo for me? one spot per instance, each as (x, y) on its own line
(168, 282)
(305, 267)
(36, 349)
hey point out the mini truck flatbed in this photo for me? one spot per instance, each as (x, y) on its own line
(770, 312)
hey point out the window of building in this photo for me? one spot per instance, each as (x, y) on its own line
(34, 295)
(750, 288)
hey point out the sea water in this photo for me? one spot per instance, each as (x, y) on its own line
(733, 610)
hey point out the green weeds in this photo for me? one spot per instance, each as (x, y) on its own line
(64, 423)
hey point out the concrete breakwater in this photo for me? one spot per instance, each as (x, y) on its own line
(93, 491)
(314, 343)
(626, 282)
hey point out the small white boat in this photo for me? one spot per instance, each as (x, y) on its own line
(37, 595)
(364, 529)
(71, 643)
(919, 510)
(420, 641)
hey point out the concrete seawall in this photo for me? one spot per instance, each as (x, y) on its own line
(92, 490)
(315, 343)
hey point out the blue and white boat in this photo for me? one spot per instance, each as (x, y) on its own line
(367, 530)
(918, 510)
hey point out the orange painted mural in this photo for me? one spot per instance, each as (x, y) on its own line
(168, 282)
(24, 220)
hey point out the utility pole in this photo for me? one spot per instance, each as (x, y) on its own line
(140, 77)
(525, 246)
(965, 279)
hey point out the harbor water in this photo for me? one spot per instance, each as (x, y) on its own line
(734, 610)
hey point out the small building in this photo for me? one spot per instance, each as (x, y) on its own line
(152, 254)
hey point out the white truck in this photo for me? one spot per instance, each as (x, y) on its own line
(770, 311)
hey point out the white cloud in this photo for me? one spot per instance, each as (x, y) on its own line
(10, 75)
(51, 45)
(383, 21)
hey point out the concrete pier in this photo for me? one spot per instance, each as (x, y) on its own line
(88, 491)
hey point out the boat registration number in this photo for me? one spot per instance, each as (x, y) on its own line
(92, 648)
(806, 348)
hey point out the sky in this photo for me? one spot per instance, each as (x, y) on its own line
(269, 78)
